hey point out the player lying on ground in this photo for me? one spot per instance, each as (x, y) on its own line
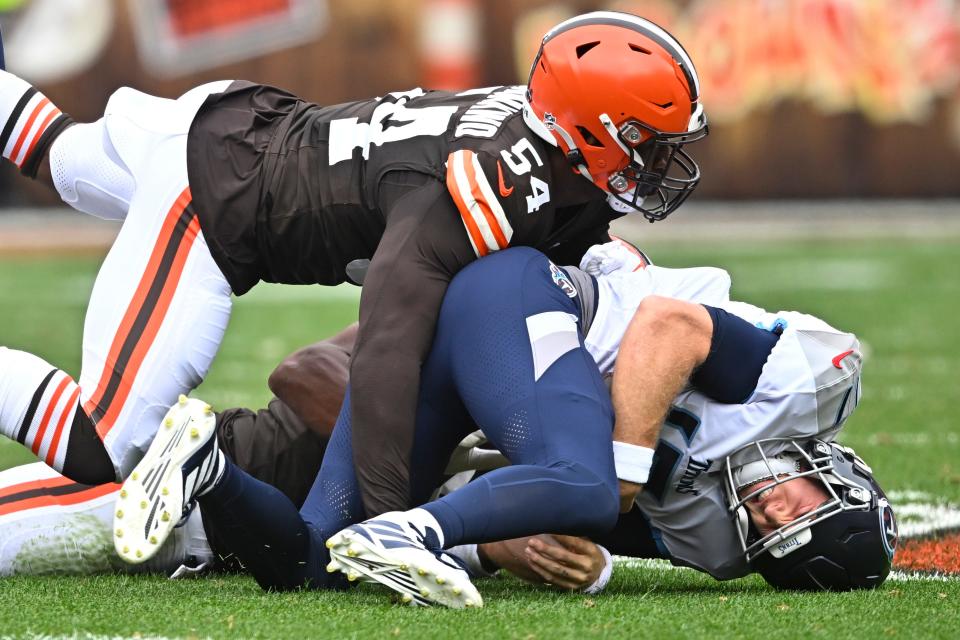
(55, 526)
(234, 183)
(517, 350)
(49, 524)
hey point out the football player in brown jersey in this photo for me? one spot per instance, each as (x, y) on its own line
(234, 183)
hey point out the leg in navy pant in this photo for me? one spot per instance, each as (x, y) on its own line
(507, 356)
(509, 343)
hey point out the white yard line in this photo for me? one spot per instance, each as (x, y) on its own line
(665, 566)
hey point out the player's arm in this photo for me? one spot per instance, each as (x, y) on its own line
(663, 344)
(423, 246)
(313, 380)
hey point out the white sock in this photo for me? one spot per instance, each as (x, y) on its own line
(214, 474)
(421, 519)
(25, 114)
(37, 402)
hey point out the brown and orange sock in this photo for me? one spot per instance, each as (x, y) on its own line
(29, 123)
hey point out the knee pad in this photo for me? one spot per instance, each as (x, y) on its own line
(89, 174)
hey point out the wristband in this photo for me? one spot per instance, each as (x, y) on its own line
(632, 462)
(604, 576)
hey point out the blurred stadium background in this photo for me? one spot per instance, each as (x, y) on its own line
(831, 184)
(808, 98)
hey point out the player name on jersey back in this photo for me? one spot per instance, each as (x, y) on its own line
(484, 119)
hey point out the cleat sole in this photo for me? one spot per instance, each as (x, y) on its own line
(156, 484)
(404, 571)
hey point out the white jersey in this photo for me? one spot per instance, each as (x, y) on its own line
(620, 293)
(49, 524)
(808, 387)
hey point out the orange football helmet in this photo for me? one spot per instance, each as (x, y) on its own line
(620, 96)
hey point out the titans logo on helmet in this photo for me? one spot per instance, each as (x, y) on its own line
(888, 524)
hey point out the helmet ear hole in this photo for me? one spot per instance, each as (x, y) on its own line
(590, 139)
(584, 48)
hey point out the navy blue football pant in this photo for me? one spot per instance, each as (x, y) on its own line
(553, 419)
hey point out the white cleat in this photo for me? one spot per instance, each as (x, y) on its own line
(181, 463)
(388, 550)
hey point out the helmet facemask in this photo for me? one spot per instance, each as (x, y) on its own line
(846, 542)
(659, 174)
(817, 461)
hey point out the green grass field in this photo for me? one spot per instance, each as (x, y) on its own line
(901, 298)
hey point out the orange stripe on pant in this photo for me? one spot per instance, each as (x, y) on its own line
(150, 332)
(77, 497)
(46, 483)
(143, 287)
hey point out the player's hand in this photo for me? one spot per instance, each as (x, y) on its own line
(628, 494)
(573, 563)
(603, 259)
(468, 456)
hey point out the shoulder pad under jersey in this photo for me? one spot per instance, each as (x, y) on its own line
(497, 184)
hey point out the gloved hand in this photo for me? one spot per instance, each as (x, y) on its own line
(602, 259)
(468, 456)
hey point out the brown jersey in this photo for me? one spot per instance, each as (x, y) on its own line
(419, 183)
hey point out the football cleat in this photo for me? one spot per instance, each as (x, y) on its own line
(393, 552)
(182, 462)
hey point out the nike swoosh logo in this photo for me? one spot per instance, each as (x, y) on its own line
(837, 359)
(504, 192)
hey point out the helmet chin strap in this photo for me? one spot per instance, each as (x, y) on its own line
(773, 467)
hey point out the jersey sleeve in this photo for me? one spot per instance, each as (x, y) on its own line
(482, 212)
(497, 193)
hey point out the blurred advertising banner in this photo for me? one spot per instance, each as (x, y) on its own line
(177, 37)
(890, 60)
(49, 41)
(806, 98)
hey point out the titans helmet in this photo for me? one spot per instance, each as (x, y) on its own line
(845, 543)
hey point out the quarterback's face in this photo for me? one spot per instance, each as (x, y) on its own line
(781, 504)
